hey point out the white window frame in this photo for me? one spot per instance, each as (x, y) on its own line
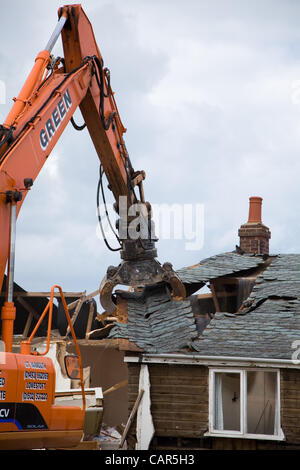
(279, 436)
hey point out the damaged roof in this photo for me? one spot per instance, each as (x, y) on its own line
(269, 321)
(156, 323)
(266, 326)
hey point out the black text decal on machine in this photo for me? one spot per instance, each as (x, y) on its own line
(53, 123)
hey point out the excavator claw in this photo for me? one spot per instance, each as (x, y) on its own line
(138, 274)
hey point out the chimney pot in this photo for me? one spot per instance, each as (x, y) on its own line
(254, 235)
(255, 203)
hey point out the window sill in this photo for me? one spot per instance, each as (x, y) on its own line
(264, 437)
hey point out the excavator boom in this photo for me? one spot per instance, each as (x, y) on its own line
(53, 91)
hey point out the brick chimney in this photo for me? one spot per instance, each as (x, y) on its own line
(254, 235)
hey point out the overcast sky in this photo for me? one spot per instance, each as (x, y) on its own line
(209, 92)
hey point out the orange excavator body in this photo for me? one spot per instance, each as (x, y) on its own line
(29, 419)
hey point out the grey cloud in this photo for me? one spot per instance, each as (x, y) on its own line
(205, 91)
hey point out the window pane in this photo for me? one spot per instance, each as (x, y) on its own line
(261, 402)
(227, 401)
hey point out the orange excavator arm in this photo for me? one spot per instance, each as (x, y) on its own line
(54, 89)
(98, 106)
(84, 72)
(45, 106)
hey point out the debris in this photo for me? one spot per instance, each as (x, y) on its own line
(109, 437)
(131, 418)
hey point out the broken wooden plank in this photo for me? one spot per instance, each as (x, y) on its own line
(100, 332)
(90, 319)
(32, 314)
(83, 298)
(115, 387)
(131, 418)
(45, 294)
(27, 325)
(108, 435)
(74, 317)
(215, 298)
(28, 307)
